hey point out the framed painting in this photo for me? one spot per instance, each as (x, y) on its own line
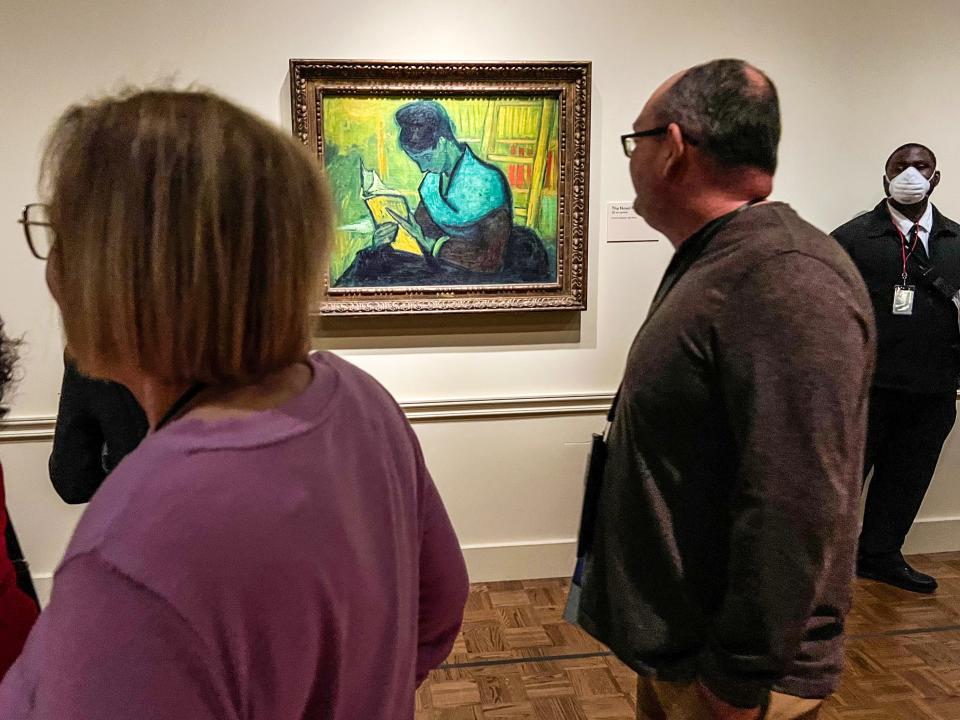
(458, 187)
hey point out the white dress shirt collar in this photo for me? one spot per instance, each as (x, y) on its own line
(906, 224)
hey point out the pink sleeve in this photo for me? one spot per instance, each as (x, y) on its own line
(443, 581)
(108, 647)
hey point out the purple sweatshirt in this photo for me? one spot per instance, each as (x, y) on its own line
(297, 563)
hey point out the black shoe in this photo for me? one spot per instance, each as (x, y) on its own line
(895, 572)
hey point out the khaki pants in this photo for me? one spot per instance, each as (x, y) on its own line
(658, 700)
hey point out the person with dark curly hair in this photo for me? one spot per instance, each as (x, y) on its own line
(18, 606)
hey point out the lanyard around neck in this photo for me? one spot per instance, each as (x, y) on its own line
(904, 243)
(179, 404)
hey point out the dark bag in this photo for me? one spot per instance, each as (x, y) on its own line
(592, 484)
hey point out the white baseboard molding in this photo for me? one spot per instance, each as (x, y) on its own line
(933, 535)
(555, 558)
(43, 584)
(485, 563)
(520, 561)
(529, 560)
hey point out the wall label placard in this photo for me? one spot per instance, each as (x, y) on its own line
(624, 225)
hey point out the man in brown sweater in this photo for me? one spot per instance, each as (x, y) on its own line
(725, 539)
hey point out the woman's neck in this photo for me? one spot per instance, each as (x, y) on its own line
(272, 392)
(156, 397)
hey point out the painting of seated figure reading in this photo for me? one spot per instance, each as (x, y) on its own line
(444, 196)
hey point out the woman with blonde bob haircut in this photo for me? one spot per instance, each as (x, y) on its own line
(275, 548)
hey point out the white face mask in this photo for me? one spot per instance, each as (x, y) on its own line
(909, 187)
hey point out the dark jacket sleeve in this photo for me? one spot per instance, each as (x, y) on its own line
(76, 463)
(843, 236)
(795, 372)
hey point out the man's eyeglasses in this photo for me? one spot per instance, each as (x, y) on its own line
(35, 219)
(630, 139)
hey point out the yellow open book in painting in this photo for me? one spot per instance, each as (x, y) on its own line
(381, 200)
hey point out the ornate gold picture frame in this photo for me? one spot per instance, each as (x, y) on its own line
(459, 187)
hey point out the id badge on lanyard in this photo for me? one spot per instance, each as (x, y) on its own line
(903, 294)
(903, 299)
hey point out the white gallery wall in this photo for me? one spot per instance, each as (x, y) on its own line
(503, 405)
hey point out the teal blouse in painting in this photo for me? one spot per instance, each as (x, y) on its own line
(475, 190)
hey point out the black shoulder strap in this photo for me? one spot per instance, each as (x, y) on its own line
(613, 406)
(927, 273)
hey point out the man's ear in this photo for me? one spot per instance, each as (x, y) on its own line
(934, 181)
(674, 149)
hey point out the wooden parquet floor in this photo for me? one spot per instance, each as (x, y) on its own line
(516, 659)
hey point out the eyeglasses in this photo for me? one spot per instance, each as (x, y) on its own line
(35, 219)
(630, 139)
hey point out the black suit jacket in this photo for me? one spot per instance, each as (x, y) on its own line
(98, 423)
(917, 353)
